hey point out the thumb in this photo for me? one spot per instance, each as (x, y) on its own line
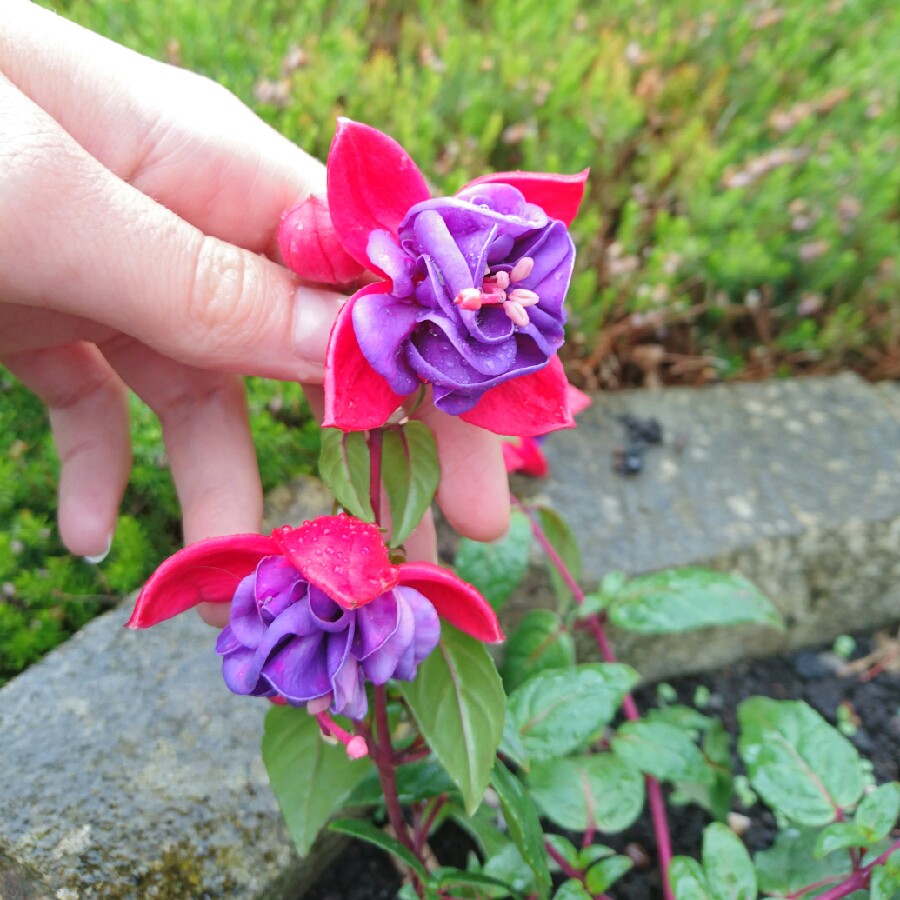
(77, 239)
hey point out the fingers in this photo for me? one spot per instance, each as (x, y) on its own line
(474, 491)
(25, 328)
(207, 436)
(183, 140)
(77, 240)
(89, 418)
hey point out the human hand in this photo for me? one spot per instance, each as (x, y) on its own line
(138, 210)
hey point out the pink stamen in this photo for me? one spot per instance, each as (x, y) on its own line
(523, 297)
(516, 312)
(522, 269)
(355, 745)
(501, 279)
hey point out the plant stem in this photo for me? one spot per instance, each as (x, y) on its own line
(594, 623)
(379, 739)
(859, 880)
(383, 757)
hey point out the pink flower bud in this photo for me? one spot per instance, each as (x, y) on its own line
(310, 247)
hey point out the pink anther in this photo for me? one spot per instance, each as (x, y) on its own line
(521, 270)
(523, 297)
(516, 312)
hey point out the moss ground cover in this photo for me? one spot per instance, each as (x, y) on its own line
(741, 219)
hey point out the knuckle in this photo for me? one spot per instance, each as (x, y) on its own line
(216, 294)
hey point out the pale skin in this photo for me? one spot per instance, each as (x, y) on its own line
(138, 210)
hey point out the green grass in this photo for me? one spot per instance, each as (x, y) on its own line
(741, 214)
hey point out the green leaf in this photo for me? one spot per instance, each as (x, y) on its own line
(875, 817)
(801, 766)
(415, 782)
(541, 641)
(838, 836)
(556, 711)
(715, 795)
(292, 744)
(688, 881)
(571, 890)
(565, 848)
(564, 542)
(885, 884)
(685, 599)
(511, 745)
(448, 877)
(524, 826)
(790, 864)
(344, 467)
(727, 864)
(508, 866)
(366, 831)
(482, 827)
(459, 705)
(663, 751)
(601, 790)
(411, 472)
(605, 873)
(590, 854)
(497, 568)
(877, 812)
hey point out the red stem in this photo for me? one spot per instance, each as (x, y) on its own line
(383, 757)
(629, 707)
(426, 825)
(859, 879)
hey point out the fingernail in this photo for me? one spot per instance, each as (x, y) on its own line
(314, 313)
(96, 560)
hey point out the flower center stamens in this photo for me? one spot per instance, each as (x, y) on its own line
(495, 291)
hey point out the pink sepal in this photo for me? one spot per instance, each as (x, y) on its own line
(372, 183)
(356, 396)
(525, 455)
(343, 556)
(310, 247)
(206, 572)
(526, 406)
(578, 400)
(558, 195)
(454, 599)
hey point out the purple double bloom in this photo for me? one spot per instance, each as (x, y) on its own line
(478, 283)
(288, 638)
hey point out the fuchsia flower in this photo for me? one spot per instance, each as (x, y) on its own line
(317, 610)
(471, 296)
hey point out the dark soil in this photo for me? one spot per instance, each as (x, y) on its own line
(364, 873)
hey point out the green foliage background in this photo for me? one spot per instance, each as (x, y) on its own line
(742, 211)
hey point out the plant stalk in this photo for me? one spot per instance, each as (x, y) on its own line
(594, 623)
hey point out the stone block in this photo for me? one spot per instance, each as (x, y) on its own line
(795, 484)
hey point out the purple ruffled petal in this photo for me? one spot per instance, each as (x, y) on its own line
(275, 580)
(375, 623)
(426, 635)
(382, 323)
(380, 665)
(298, 669)
(349, 697)
(388, 256)
(245, 620)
